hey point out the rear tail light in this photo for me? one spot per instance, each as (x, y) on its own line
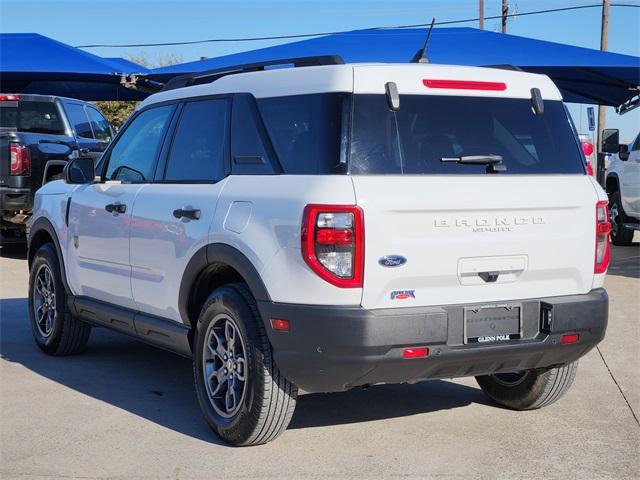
(589, 168)
(333, 243)
(603, 228)
(587, 149)
(20, 159)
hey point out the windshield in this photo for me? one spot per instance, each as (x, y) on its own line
(33, 117)
(428, 128)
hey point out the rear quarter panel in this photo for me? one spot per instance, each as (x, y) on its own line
(262, 215)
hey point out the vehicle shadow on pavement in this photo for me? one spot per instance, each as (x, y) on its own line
(382, 401)
(625, 261)
(158, 385)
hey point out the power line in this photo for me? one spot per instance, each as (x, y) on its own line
(318, 34)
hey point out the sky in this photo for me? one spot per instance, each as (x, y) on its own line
(80, 22)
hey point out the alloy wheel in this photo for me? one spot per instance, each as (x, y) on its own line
(224, 365)
(44, 300)
(614, 213)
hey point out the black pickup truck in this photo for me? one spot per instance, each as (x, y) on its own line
(38, 135)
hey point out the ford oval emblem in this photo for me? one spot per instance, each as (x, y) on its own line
(392, 261)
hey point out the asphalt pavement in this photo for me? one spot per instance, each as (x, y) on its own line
(127, 410)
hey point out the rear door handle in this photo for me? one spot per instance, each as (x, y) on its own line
(187, 212)
(116, 208)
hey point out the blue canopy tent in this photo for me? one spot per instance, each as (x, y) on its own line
(32, 63)
(583, 75)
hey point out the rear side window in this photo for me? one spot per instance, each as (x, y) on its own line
(306, 131)
(198, 152)
(428, 128)
(33, 117)
(132, 158)
(100, 125)
(251, 151)
(79, 119)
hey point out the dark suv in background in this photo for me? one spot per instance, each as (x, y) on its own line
(38, 135)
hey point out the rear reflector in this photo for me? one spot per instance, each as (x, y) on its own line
(280, 324)
(415, 352)
(569, 338)
(9, 98)
(464, 84)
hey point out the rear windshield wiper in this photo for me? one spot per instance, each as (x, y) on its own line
(493, 162)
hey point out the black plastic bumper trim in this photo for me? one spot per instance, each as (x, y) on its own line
(336, 348)
(16, 198)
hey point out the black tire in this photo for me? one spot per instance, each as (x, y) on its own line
(619, 235)
(267, 400)
(528, 390)
(65, 334)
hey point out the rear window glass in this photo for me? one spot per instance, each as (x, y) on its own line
(306, 131)
(99, 125)
(426, 129)
(33, 117)
(79, 119)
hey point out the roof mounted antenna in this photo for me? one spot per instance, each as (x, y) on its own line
(421, 55)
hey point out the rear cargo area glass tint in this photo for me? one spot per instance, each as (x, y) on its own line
(427, 128)
(307, 131)
(32, 117)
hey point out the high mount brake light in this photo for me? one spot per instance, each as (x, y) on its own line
(20, 159)
(603, 228)
(333, 243)
(464, 84)
(9, 98)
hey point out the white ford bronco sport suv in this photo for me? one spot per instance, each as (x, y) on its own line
(330, 226)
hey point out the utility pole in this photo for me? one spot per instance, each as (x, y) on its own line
(481, 13)
(505, 12)
(602, 113)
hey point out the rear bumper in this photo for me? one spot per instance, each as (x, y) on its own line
(336, 348)
(16, 198)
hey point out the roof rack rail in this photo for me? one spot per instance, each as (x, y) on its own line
(210, 76)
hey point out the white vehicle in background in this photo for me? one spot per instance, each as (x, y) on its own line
(623, 186)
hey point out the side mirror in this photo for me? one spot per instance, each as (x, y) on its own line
(623, 152)
(610, 140)
(79, 170)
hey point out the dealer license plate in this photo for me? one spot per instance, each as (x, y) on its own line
(492, 323)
